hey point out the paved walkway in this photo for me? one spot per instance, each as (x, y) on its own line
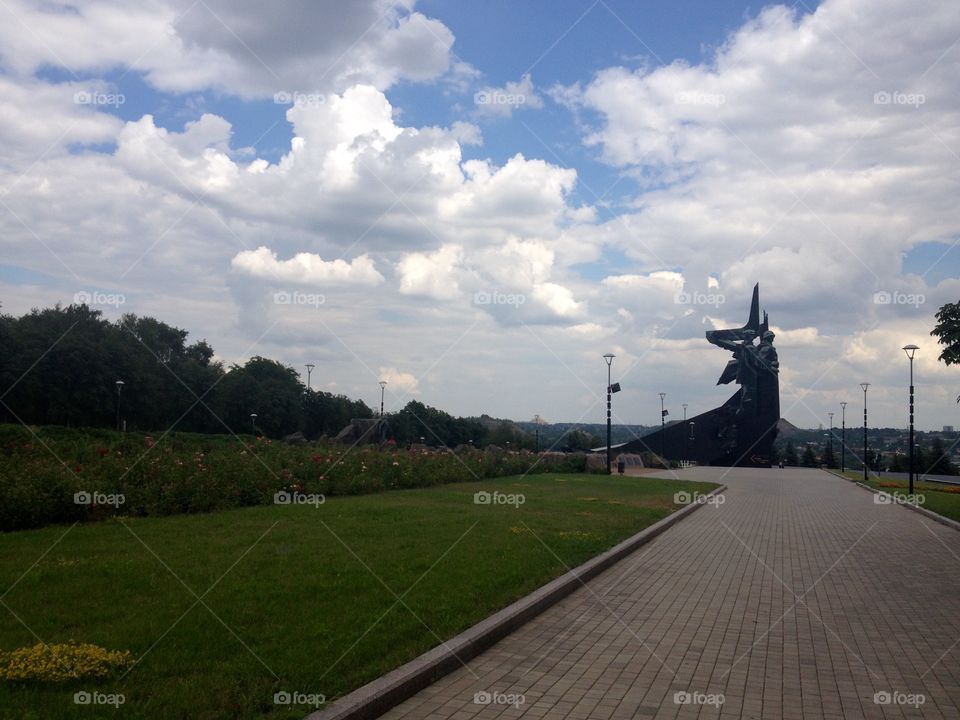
(798, 597)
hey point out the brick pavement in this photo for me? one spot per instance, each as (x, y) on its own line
(798, 597)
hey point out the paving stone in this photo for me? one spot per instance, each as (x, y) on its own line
(797, 598)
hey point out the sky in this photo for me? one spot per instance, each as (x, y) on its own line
(476, 201)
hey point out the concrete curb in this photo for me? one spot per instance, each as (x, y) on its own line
(916, 508)
(378, 696)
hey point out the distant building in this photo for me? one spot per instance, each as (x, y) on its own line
(948, 428)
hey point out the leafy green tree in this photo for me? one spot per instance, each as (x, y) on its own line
(947, 332)
(266, 387)
(436, 427)
(327, 414)
(809, 457)
(580, 440)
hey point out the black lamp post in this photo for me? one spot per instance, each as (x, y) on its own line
(609, 358)
(910, 350)
(843, 436)
(864, 385)
(310, 367)
(663, 416)
(383, 385)
(253, 422)
(119, 385)
(537, 422)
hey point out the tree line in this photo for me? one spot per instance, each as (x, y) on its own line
(60, 366)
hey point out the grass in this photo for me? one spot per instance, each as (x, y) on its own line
(941, 499)
(223, 610)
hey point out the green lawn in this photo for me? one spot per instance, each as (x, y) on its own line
(936, 497)
(296, 598)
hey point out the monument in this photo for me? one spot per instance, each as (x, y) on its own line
(742, 430)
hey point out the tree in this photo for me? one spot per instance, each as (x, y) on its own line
(829, 459)
(809, 457)
(939, 459)
(266, 387)
(790, 455)
(947, 332)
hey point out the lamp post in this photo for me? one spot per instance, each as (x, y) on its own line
(537, 421)
(864, 385)
(663, 416)
(119, 385)
(253, 422)
(684, 412)
(609, 358)
(910, 350)
(310, 367)
(843, 436)
(830, 440)
(383, 385)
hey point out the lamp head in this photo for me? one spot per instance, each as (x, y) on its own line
(910, 350)
(864, 386)
(609, 358)
(382, 383)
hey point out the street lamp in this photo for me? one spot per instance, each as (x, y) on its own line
(119, 385)
(830, 442)
(864, 386)
(253, 422)
(663, 416)
(684, 412)
(537, 421)
(609, 358)
(310, 367)
(383, 385)
(843, 436)
(910, 350)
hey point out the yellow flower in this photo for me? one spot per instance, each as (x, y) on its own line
(60, 662)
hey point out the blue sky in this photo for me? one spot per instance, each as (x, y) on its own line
(663, 151)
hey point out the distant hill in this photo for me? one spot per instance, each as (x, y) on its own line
(786, 429)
